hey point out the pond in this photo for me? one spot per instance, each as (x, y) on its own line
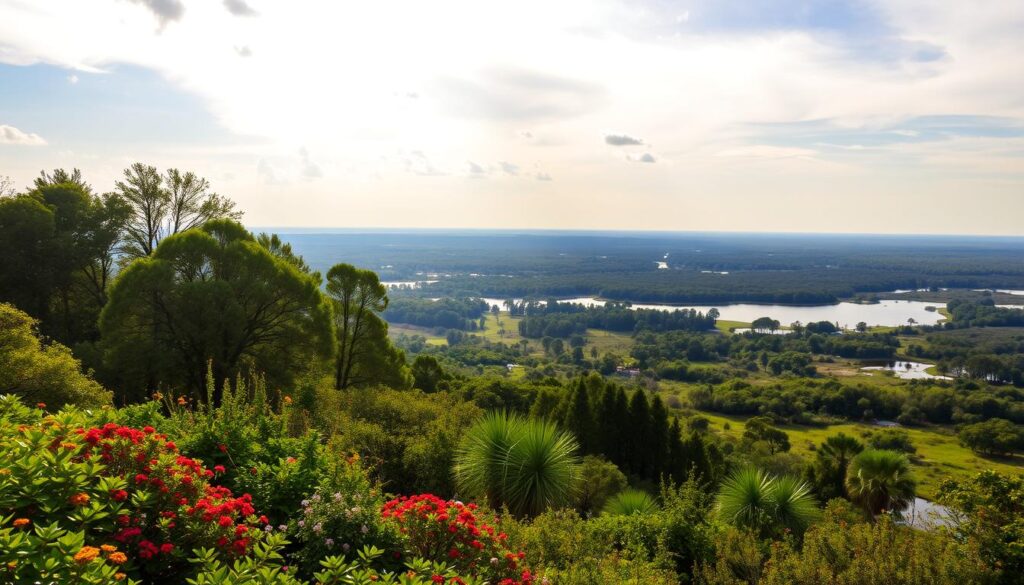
(924, 514)
(907, 370)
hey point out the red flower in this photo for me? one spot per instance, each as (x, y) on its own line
(218, 469)
(166, 548)
(223, 448)
(118, 495)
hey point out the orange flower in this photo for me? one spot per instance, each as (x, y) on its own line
(119, 576)
(118, 558)
(79, 499)
(182, 401)
(41, 405)
(69, 446)
(157, 396)
(19, 522)
(287, 400)
(12, 565)
(87, 554)
(108, 548)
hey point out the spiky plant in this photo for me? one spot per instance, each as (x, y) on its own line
(628, 502)
(879, 479)
(753, 499)
(527, 465)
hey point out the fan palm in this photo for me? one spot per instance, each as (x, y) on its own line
(879, 479)
(628, 502)
(527, 465)
(753, 499)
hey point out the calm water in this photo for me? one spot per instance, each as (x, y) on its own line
(924, 514)
(908, 370)
(885, 313)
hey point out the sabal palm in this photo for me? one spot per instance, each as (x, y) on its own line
(527, 465)
(751, 498)
(628, 502)
(879, 479)
(840, 449)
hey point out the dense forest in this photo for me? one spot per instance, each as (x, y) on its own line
(185, 401)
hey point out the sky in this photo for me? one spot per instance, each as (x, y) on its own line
(895, 116)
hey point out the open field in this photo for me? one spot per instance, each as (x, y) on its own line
(939, 455)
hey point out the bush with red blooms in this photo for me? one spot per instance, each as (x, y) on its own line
(120, 486)
(458, 534)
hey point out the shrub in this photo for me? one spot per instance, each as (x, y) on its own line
(340, 518)
(459, 534)
(766, 504)
(116, 486)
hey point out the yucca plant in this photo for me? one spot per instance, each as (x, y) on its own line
(753, 499)
(629, 502)
(880, 480)
(527, 465)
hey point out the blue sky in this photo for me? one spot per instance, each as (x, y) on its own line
(786, 115)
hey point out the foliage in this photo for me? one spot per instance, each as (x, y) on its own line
(828, 472)
(459, 534)
(989, 509)
(115, 486)
(880, 480)
(341, 518)
(212, 297)
(993, 437)
(527, 465)
(600, 479)
(37, 373)
(768, 505)
(628, 502)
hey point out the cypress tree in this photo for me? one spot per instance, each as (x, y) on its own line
(659, 439)
(675, 467)
(579, 418)
(607, 425)
(640, 435)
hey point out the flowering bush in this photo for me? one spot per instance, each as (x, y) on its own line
(459, 534)
(343, 517)
(110, 486)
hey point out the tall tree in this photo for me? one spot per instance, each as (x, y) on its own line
(168, 204)
(359, 297)
(659, 439)
(212, 297)
(828, 472)
(579, 418)
(640, 436)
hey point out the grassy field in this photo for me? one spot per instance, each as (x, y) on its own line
(395, 329)
(728, 326)
(939, 455)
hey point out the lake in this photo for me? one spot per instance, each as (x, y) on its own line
(889, 313)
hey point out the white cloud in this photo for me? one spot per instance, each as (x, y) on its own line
(165, 10)
(72, 79)
(12, 135)
(509, 168)
(239, 8)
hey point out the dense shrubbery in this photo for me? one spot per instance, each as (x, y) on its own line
(556, 319)
(448, 313)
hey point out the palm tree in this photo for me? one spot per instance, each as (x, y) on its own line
(751, 498)
(628, 502)
(834, 457)
(527, 465)
(879, 480)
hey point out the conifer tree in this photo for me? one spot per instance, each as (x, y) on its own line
(640, 435)
(579, 418)
(659, 439)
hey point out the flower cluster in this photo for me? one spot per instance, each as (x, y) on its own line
(120, 487)
(459, 534)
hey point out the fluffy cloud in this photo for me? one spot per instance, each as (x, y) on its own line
(642, 158)
(509, 168)
(11, 135)
(621, 140)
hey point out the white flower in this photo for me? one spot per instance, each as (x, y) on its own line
(318, 527)
(302, 523)
(364, 529)
(345, 547)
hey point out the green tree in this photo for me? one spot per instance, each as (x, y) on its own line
(880, 480)
(995, 436)
(639, 437)
(427, 373)
(212, 296)
(760, 429)
(365, 355)
(579, 418)
(164, 205)
(659, 440)
(600, 479)
(629, 502)
(38, 373)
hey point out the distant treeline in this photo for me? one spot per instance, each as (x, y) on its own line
(566, 319)
(796, 286)
(448, 313)
(984, 313)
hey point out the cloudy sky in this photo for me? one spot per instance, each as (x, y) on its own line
(902, 116)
